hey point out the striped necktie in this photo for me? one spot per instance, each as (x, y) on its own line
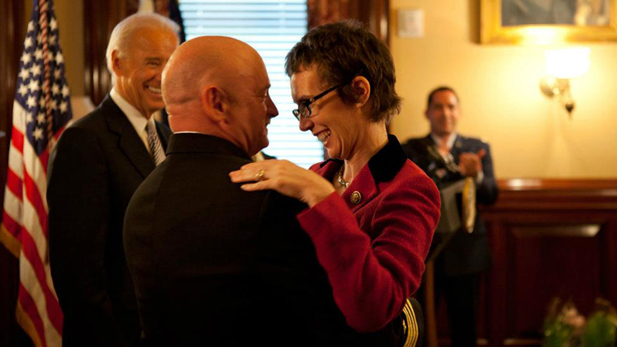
(156, 149)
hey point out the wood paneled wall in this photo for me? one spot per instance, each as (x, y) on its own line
(100, 18)
(12, 35)
(549, 238)
(373, 13)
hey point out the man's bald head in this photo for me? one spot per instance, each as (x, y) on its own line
(205, 60)
(219, 86)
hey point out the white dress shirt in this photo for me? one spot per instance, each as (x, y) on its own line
(137, 119)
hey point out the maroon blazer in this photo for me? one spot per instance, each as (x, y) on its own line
(373, 239)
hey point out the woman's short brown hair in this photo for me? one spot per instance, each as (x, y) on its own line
(342, 51)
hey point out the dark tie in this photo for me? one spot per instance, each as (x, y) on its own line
(156, 149)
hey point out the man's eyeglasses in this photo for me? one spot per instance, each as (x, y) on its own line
(304, 107)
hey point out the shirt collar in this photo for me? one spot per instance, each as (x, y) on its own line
(450, 142)
(202, 143)
(137, 119)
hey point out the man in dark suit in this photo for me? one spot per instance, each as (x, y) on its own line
(447, 157)
(96, 166)
(214, 265)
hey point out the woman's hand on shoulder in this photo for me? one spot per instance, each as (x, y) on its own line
(286, 178)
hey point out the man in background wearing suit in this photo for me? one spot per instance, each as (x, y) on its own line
(96, 166)
(213, 264)
(447, 157)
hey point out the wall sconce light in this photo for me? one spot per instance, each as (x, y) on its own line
(561, 66)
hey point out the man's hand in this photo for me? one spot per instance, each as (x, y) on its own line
(470, 164)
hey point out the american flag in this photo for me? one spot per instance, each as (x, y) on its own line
(41, 111)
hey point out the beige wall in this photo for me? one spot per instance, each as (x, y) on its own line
(69, 14)
(530, 135)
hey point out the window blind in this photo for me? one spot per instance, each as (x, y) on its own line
(272, 27)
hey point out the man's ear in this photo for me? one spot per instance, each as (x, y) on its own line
(361, 89)
(215, 102)
(116, 63)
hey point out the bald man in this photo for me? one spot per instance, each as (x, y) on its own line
(214, 265)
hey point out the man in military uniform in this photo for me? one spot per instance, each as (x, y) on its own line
(448, 157)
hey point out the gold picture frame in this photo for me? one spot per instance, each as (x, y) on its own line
(500, 21)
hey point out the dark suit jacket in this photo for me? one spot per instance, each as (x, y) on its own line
(465, 253)
(214, 265)
(94, 169)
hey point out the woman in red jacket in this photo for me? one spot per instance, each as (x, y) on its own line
(371, 212)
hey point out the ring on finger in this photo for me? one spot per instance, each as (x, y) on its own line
(260, 174)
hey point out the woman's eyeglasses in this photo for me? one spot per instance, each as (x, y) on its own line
(304, 107)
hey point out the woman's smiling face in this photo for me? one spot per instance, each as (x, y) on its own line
(332, 121)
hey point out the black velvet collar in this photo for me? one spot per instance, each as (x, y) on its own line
(386, 163)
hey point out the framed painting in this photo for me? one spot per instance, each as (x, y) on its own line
(547, 21)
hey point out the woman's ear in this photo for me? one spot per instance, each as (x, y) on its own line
(215, 103)
(361, 90)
